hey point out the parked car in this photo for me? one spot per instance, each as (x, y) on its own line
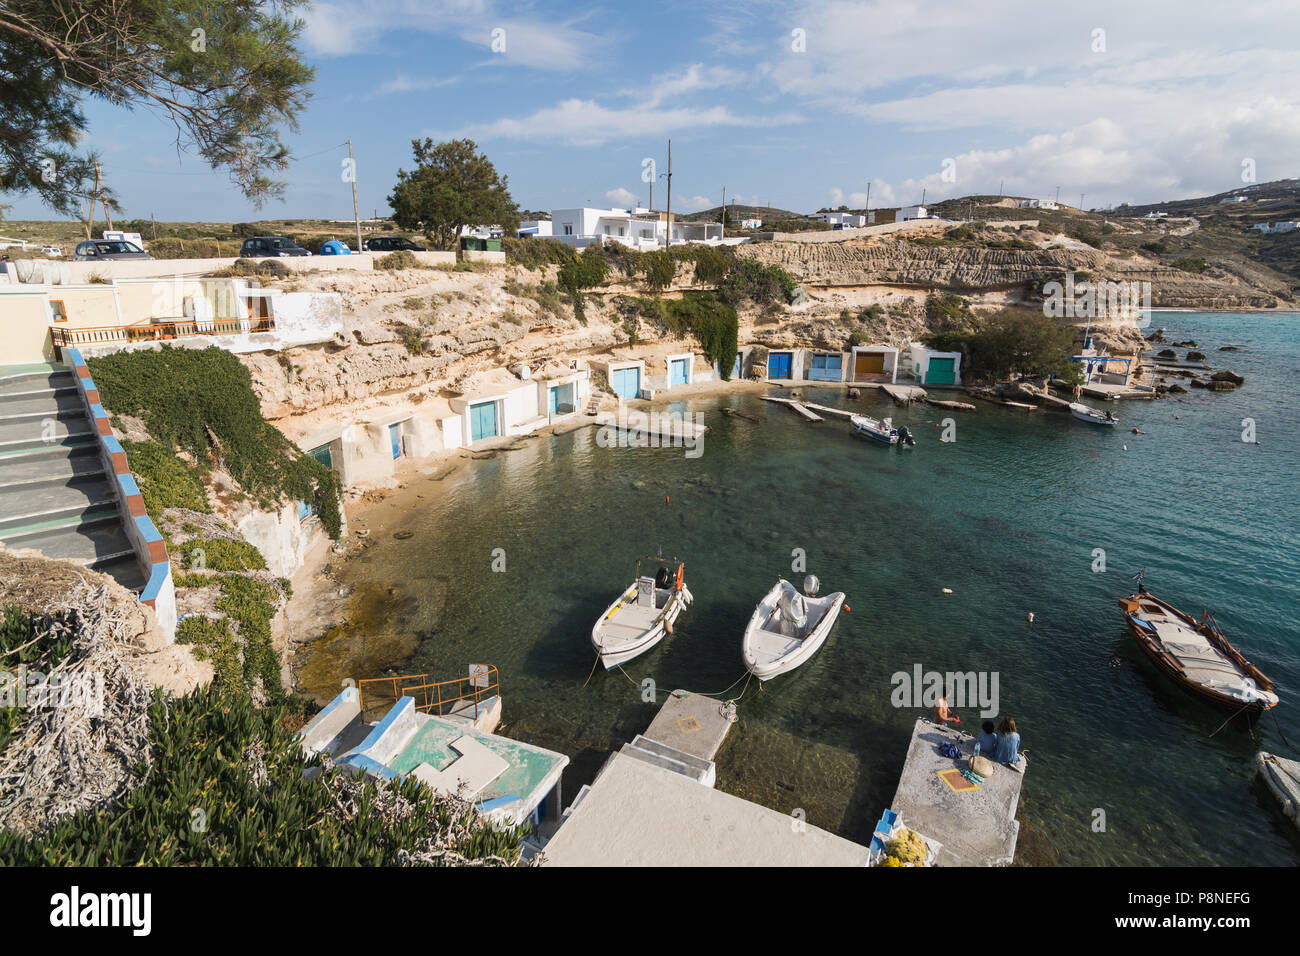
(391, 244)
(335, 247)
(96, 250)
(260, 246)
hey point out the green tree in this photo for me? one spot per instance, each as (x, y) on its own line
(453, 185)
(227, 73)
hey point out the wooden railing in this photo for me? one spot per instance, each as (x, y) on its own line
(437, 697)
(160, 329)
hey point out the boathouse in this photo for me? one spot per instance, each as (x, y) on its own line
(932, 367)
(874, 363)
(824, 366)
(626, 377)
(784, 365)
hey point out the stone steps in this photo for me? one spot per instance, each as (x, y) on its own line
(670, 758)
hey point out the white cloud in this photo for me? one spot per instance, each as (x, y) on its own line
(621, 198)
(694, 204)
(587, 123)
(412, 84)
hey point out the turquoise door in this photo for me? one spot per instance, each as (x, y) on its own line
(626, 382)
(561, 402)
(678, 374)
(780, 365)
(940, 372)
(395, 437)
(483, 421)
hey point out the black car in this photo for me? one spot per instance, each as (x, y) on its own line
(391, 244)
(260, 246)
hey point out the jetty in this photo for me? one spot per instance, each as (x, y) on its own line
(905, 394)
(827, 410)
(955, 406)
(976, 826)
(651, 806)
(799, 407)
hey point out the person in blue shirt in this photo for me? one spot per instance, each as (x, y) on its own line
(988, 741)
(1008, 742)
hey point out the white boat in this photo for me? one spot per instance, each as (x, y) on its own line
(1282, 778)
(640, 616)
(1086, 413)
(787, 628)
(881, 430)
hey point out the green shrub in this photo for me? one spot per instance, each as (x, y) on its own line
(411, 338)
(751, 281)
(185, 395)
(401, 259)
(221, 554)
(534, 253)
(165, 481)
(1193, 264)
(237, 770)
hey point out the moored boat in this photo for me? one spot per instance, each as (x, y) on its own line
(641, 616)
(1282, 779)
(787, 628)
(1197, 655)
(1086, 413)
(881, 430)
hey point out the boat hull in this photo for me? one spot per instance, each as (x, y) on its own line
(611, 657)
(1168, 666)
(766, 670)
(864, 430)
(1085, 414)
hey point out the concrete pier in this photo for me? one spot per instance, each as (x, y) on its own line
(975, 827)
(797, 406)
(692, 724)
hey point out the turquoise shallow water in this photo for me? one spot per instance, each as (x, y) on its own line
(1008, 517)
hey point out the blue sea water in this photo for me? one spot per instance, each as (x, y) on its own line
(1009, 517)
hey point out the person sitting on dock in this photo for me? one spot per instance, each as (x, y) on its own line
(1008, 743)
(942, 715)
(987, 743)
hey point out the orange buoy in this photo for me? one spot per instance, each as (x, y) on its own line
(847, 609)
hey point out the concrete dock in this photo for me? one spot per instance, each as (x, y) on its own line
(975, 827)
(799, 407)
(692, 724)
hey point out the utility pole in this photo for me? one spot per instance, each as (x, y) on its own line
(1080, 202)
(1058, 195)
(155, 226)
(356, 213)
(1001, 183)
(866, 213)
(922, 197)
(670, 194)
(724, 213)
(99, 188)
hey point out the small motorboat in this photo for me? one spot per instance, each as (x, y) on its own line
(1086, 413)
(1282, 778)
(882, 430)
(640, 616)
(1197, 655)
(787, 627)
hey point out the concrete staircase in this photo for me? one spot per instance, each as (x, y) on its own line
(55, 495)
(670, 758)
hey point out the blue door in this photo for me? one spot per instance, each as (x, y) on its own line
(677, 374)
(780, 365)
(483, 421)
(394, 436)
(561, 399)
(626, 382)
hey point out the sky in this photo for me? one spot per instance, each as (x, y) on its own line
(797, 105)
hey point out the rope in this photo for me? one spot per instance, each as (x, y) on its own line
(1233, 717)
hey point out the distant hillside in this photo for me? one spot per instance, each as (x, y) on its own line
(1275, 200)
(738, 212)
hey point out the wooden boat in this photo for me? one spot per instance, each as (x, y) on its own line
(640, 616)
(881, 430)
(787, 628)
(1282, 779)
(1197, 655)
(1091, 415)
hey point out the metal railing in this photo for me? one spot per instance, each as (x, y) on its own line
(160, 329)
(436, 697)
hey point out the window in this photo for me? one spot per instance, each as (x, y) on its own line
(56, 308)
(568, 228)
(831, 363)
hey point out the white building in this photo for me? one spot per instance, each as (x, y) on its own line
(874, 363)
(639, 228)
(907, 213)
(1275, 227)
(842, 220)
(1039, 204)
(534, 227)
(753, 223)
(932, 367)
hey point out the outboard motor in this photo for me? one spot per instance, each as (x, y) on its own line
(811, 585)
(905, 436)
(663, 578)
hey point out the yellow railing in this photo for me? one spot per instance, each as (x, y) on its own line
(437, 697)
